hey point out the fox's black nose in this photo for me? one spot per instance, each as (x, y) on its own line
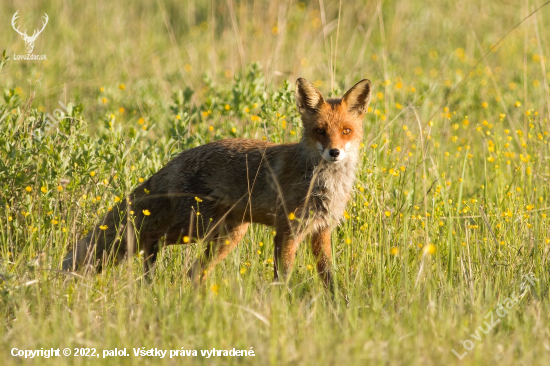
(334, 153)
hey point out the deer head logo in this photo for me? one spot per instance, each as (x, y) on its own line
(29, 41)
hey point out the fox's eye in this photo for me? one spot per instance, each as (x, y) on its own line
(346, 131)
(320, 131)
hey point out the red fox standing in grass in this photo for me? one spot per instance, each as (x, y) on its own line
(299, 189)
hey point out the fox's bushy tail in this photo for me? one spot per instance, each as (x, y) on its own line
(106, 242)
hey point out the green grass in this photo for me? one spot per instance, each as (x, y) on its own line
(448, 215)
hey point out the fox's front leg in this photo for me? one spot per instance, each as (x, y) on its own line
(286, 244)
(321, 245)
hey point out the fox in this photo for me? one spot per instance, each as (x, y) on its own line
(212, 193)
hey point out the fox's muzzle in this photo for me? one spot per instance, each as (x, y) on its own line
(333, 154)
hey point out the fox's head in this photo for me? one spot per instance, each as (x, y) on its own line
(334, 126)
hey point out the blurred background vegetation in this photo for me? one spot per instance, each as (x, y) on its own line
(158, 46)
(448, 215)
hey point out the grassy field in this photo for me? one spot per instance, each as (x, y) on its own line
(445, 243)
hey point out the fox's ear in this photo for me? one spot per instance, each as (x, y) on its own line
(308, 98)
(357, 98)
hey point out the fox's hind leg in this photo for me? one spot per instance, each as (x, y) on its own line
(225, 241)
